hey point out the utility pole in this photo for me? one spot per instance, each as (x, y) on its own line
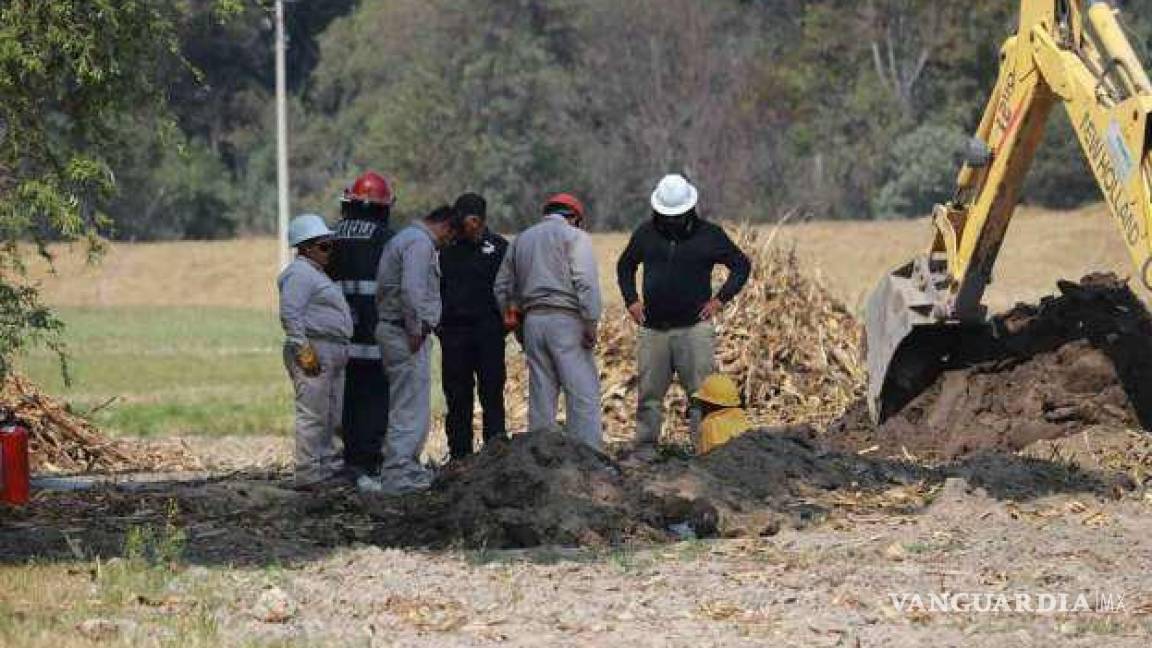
(281, 137)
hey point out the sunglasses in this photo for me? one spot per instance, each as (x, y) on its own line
(324, 246)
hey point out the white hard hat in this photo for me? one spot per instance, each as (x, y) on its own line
(306, 227)
(674, 196)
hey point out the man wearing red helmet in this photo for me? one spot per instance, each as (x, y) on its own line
(549, 274)
(359, 239)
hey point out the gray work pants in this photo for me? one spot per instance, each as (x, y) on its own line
(409, 409)
(319, 405)
(557, 359)
(687, 352)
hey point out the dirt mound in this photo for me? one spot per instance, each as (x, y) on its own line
(542, 488)
(1074, 361)
(539, 488)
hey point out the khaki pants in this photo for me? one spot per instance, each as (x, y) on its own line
(557, 359)
(319, 404)
(409, 409)
(686, 352)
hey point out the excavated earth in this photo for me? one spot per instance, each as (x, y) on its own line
(543, 489)
(538, 489)
(1076, 361)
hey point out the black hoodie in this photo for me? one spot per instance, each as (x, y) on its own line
(678, 271)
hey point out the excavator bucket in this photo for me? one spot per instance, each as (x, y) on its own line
(909, 343)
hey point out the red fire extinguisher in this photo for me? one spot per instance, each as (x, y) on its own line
(14, 477)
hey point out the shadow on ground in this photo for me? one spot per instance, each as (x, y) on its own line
(535, 490)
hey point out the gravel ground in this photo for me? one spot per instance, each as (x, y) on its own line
(828, 586)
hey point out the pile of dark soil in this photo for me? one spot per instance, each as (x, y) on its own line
(543, 489)
(1074, 361)
(539, 488)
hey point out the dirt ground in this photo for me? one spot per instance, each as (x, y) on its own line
(831, 586)
(1020, 476)
(776, 541)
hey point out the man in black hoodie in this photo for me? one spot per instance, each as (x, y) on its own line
(678, 251)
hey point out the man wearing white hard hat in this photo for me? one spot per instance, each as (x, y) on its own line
(317, 327)
(678, 250)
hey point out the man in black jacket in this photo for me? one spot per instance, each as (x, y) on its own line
(678, 251)
(359, 240)
(471, 327)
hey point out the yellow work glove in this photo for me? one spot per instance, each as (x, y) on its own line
(308, 360)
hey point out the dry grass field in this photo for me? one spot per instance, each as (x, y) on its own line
(1041, 247)
(183, 336)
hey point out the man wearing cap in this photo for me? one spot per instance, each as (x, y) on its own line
(317, 326)
(678, 250)
(471, 328)
(358, 241)
(409, 307)
(550, 275)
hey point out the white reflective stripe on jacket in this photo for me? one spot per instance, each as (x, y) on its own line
(363, 352)
(353, 287)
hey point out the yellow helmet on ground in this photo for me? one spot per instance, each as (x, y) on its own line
(719, 389)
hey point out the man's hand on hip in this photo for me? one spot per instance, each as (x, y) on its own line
(591, 330)
(711, 309)
(636, 310)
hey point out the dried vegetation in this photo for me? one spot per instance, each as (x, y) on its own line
(61, 441)
(785, 338)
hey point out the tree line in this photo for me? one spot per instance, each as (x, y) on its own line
(822, 109)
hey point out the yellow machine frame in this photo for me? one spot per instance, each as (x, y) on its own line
(1070, 52)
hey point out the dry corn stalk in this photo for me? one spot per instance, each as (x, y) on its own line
(62, 442)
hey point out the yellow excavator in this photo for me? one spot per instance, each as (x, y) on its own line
(1073, 53)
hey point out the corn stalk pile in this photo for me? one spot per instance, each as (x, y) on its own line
(793, 348)
(62, 442)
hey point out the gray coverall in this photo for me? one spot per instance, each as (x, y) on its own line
(408, 303)
(550, 273)
(313, 311)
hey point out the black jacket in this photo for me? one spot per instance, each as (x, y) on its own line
(355, 255)
(467, 274)
(678, 272)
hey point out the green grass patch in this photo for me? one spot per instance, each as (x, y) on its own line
(176, 371)
(147, 596)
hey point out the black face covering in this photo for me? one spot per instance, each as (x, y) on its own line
(366, 211)
(677, 227)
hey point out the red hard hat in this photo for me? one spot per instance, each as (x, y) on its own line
(568, 200)
(371, 187)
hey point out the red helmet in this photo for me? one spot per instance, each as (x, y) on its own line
(567, 200)
(371, 187)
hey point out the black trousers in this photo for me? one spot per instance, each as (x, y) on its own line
(365, 419)
(472, 360)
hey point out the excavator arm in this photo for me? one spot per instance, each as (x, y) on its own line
(1068, 52)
